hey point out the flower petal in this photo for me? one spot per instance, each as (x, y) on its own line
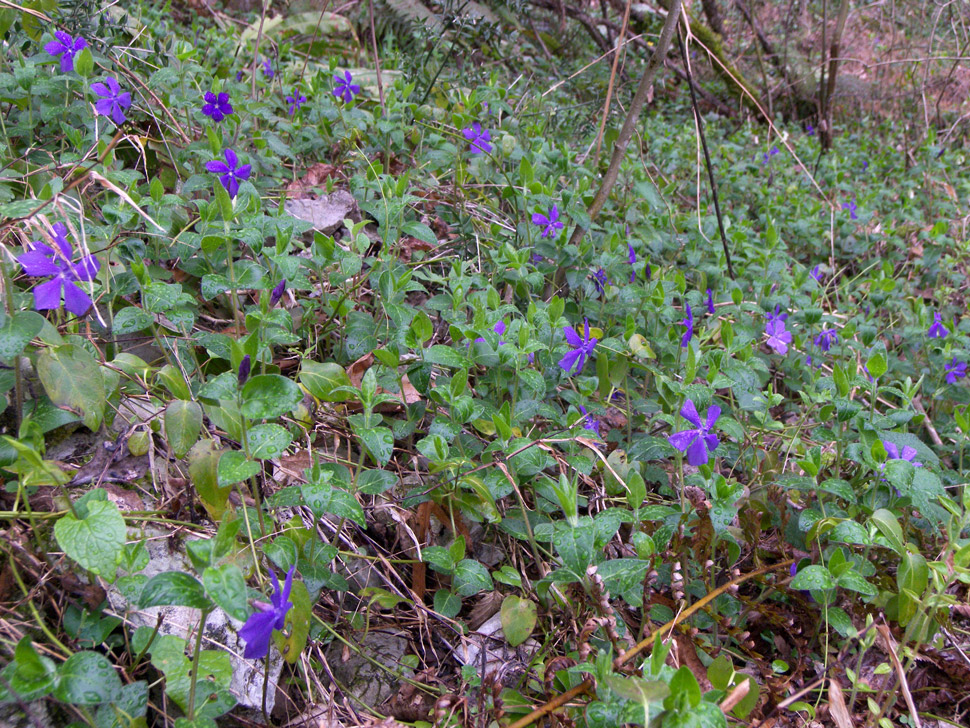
(75, 299)
(48, 295)
(217, 167)
(35, 263)
(683, 439)
(697, 453)
(231, 159)
(689, 413)
(713, 412)
(569, 361)
(572, 338)
(86, 268)
(257, 632)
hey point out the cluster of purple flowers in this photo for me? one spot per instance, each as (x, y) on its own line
(112, 101)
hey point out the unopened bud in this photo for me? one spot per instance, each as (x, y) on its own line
(244, 368)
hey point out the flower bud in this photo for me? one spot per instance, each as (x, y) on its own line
(244, 367)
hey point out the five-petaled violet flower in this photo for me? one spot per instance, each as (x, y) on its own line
(582, 348)
(295, 101)
(816, 273)
(768, 155)
(937, 329)
(499, 329)
(955, 370)
(216, 106)
(550, 223)
(778, 337)
(826, 338)
(112, 102)
(231, 174)
(260, 625)
(478, 139)
(589, 422)
(851, 207)
(600, 280)
(689, 323)
(345, 87)
(698, 443)
(777, 315)
(710, 302)
(66, 47)
(43, 260)
(908, 453)
(268, 69)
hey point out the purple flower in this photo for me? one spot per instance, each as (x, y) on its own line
(260, 625)
(649, 272)
(955, 370)
(851, 207)
(245, 366)
(689, 323)
(582, 348)
(499, 329)
(66, 47)
(345, 88)
(295, 101)
(632, 257)
(239, 76)
(908, 453)
(777, 315)
(698, 443)
(778, 337)
(768, 155)
(535, 258)
(600, 280)
(549, 223)
(710, 302)
(937, 329)
(816, 274)
(810, 130)
(590, 423)
(478, 139)
(865, 164)
(277, 293)
(42, 260)
(826, 338)
(230, 171)
(112, 102)
(216, 106)
(268, 69)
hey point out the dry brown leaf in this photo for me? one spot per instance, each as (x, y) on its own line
(837, 707)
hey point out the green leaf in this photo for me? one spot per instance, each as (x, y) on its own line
(887, 524)
(18, 331)
(813, 576)
(30, 675)
(234, 468)
(268, 441)
(130, 320)
(445, 356)
(72, 379)
(518, 619)
(638, 690)
(321, 379)
(174, 589)
(447, 603)
(269, 395)
(877, 364)
(854, 581)
(204, 473)
(95, 541)
(227, 587)
(470, 578)
(684, 685)
(379, 442)
(183, 424)
(87, 678)
(292, 643)
(575, 547)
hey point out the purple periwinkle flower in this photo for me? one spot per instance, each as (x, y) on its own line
(499, 329)
(345, 87)
(589, 422)
(826, 338)
(239, 76)
(816, 274)
(908, 453)
(260, 625)
(295, 101)
(649, 272)
(245, 367)
(937, 330)
(768, 155)
(550, 223)
(582, 348)
(777, 315)
(710, 302)
(231, 174)
(216, 106)
(66, 47)
(112, 102)
(277, 293)
(851, 207)
(632, 257)
(778, 337)
(268, 69)
(43, 260)
(699, 442)
(600, 280)
(955, 370)
(810, 130)
(478, 139)
(689, 323)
